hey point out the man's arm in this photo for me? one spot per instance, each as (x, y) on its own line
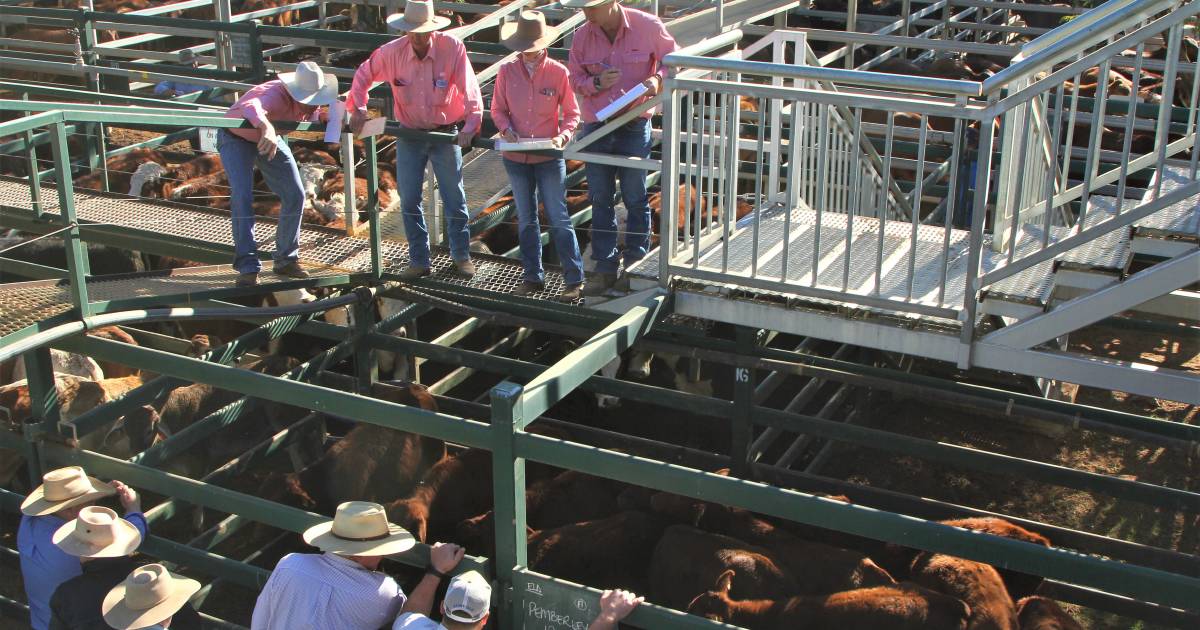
(664, 45)
(471, 92)
(614, 606)
(581, 81)
(376, 68)
(443, 557)
(500, 107)
(131, 503)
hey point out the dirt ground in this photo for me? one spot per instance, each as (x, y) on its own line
(1082, 450)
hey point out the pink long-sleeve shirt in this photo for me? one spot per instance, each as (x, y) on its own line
(438, 90)
(269, 101)
(541, 105)
(638, 50)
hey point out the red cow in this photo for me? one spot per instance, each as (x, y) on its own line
(975, 583)
(1042, 613)
(688, 561)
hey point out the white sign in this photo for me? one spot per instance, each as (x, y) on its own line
(372, 127)
(333, 129)
(208, 139)
(622, 102)
(240, 49)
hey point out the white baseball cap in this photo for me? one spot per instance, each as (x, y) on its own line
(467, 598)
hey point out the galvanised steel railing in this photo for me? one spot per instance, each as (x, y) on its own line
(817, 224)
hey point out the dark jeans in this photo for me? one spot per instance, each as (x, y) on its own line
(631, 139)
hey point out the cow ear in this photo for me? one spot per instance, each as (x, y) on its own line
(725, 582)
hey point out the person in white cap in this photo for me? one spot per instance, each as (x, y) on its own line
(104, 545)
(294, 96)
(342, 587)
(465, 606)
(63, 493)
(151, 598)
(434, 89)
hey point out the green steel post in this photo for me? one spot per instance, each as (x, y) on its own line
(77, 261)
(31, 163)
(372, 164)
(365, 366)
(93, 142)
(741, 427)
(258, 67)
(508, 478)
(43, 397)
(33, 454)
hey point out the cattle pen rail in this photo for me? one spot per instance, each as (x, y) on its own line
(1100, 571)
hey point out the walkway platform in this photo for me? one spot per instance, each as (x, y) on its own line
(325, 251)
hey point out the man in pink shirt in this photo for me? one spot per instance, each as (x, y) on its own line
(294, 96)
(533, 99)
(612, 53)
(434, 89)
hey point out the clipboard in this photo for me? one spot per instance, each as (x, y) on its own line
(333, 127)
(372, 127)
(622, 102)
(526, 144)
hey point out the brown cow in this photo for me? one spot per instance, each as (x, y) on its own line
(904, 607)
(818, 568)
(1042, 613)
(454, 489)
(688, 561)
(371, 463)
(112, 333)
(121, 169)
(606, 553)
(975, 583)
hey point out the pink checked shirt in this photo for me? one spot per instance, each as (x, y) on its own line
(269, 101)
(438, 90)
(531, 105)
(638, 50)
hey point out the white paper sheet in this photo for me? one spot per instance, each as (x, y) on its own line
(622, 102)
(372, 127)
(208, 139)
(337, 116)
(526, 144)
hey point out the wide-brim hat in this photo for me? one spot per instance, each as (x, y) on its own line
(63, 488)
(583, 4)
(529, 33)
(148, 596)
(309, 85)
(360, 528)
(418, 17)
(97, 533)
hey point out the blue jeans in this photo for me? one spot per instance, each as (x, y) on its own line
(411, 158)
(549, 178)
(239, 157)
(631, 139)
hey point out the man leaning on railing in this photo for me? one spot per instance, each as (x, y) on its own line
(615, 51)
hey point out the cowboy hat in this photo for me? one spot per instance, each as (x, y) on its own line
(359, 528)
(418, 17)
(529, 33)
(309, 86)
(582, 4)
(97, 533)
(63, 488)
(148, 596)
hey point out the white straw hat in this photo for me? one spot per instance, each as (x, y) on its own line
(309, 85)
(360, 528)
(529, 33)
(148, 596)
(418, 17)
(583, 4)
(64, 487)
(97, 533)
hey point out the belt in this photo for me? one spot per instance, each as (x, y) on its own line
(451, 128)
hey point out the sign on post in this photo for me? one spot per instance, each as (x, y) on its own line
(549, 604)
(240, 49)
(208, 139)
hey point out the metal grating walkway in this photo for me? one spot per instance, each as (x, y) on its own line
(320, 247)
(1181, 220)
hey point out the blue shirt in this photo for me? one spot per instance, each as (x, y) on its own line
(180, 88)
(44, 566)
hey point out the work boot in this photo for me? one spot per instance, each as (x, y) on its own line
(571, 292)
(528, 288)
(291, 270)
(464, 268)
(413, 272)
(622, 284)
(599, 284)
(247, 279)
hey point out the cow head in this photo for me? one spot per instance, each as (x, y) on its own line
(715, 604)
(142, 427)
(412, 515)
(605, 401)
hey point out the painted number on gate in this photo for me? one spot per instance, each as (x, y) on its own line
(742, 375)
(208, 139)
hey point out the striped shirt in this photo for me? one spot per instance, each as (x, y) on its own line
(325, 590)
